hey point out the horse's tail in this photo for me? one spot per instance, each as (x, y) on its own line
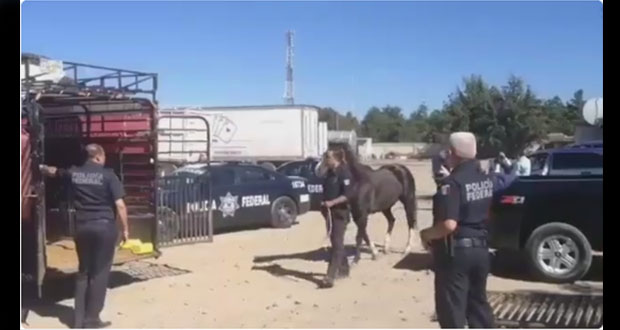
(408, 195)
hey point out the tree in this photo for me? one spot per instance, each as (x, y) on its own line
(336, 121)
(506, 118)
(383, 125)
(574, 108)
(416, 127)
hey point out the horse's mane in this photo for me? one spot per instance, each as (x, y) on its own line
(358, 170)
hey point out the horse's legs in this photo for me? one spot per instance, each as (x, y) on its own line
(361, 225)
(390, 219)
(361, 220)
(411, 206)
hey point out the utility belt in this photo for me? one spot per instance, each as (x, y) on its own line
(447, 245)
(473, 242)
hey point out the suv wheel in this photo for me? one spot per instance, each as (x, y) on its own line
(559, 253)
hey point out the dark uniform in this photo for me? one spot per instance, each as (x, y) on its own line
(438, 162)
(94, 190)
(337, 183)
(462, 262)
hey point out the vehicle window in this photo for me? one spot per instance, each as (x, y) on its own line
(538, 161)
(189, 171)
(292, 170)
(252, 174)
(223, 177)
(577, 160)
(306, 171)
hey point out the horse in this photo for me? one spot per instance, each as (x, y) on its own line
(377, 191)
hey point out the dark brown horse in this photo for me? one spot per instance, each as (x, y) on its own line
(377, 191)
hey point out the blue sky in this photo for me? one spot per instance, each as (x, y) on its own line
(348, 55)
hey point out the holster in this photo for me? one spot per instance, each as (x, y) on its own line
(443, 248)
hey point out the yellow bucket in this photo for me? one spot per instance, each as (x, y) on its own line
(137, 247)
(143, 248)
(130, 243)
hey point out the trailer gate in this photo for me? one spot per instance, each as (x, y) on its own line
(184, 211)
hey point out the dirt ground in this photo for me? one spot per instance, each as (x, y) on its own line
(267, 278)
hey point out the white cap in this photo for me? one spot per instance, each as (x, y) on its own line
(463, 144)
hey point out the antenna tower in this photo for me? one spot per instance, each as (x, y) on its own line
(288, 88)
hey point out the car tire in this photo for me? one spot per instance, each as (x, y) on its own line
(558, 253)
(283, 212)
(269, 166)
(168, 224)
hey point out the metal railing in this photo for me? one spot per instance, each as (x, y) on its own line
(88, 80)
(184, 204)
(184, 208)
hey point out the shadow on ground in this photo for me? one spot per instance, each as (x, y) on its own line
(416, 262)
(279, 271)
(60, 286)
(320, 254)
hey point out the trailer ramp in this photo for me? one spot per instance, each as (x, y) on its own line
(544, 310)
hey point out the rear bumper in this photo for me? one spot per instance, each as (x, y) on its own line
(304, 203)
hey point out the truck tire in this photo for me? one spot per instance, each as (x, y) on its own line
(169, 225)
(283, 212)
(268, 166)
(558, 253)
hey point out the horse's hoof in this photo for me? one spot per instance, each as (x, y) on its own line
(356, 259)
(375, 257)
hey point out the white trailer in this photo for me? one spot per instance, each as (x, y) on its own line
(323, 141)
(261, 134)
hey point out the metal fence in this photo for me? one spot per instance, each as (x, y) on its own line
(184, 210)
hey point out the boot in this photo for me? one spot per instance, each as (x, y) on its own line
(96, 324)
(326, 283)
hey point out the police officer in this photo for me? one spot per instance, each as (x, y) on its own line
(458, 238)
(440, 167)
(97, 195)
(336, 188)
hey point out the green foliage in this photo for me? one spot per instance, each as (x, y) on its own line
(336, 121)
(505, 118)
(385, 124)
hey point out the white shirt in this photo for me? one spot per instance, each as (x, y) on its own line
(498, 166)
(524, 166)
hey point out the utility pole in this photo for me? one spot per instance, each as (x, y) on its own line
(288, 87)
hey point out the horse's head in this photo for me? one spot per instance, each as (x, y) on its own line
(329, 160)
(333, 157)
(321, 168)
